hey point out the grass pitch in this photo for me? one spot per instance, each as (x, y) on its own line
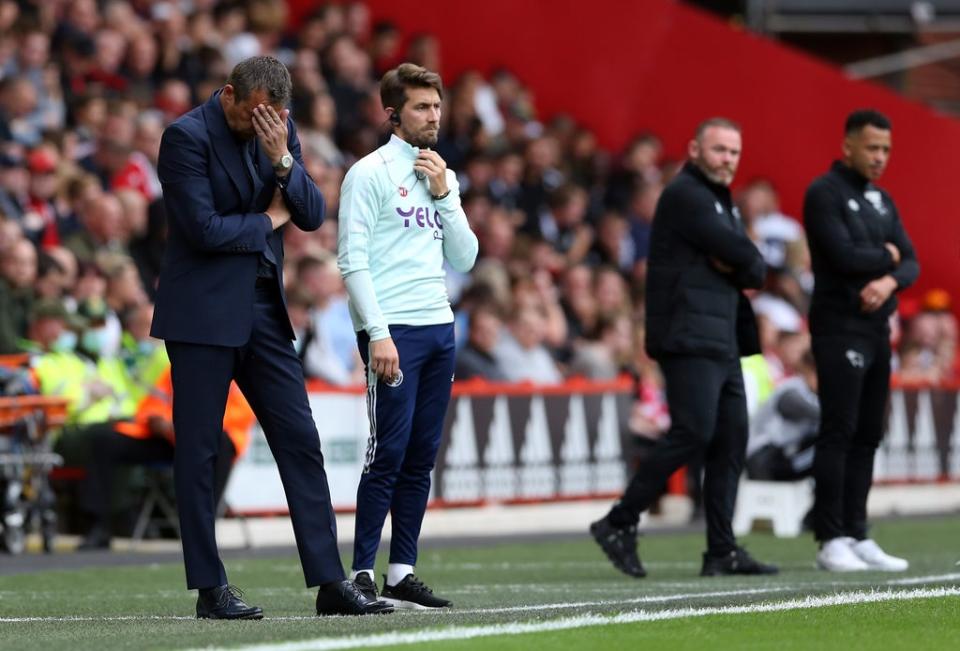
(547, 595)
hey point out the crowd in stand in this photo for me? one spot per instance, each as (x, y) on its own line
(86, 89)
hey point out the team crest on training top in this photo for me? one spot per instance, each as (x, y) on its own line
(876, 200)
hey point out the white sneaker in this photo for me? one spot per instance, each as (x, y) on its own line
(870, 553)
(837, 555)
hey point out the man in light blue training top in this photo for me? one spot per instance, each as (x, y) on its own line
(400, 218)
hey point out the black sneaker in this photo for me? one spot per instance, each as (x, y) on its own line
(736, 562)
(367, 586)
(620, 546)
(413, 594)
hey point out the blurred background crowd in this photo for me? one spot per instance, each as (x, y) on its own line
(86, 89)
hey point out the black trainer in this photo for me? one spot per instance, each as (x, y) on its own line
(224, 602)
(736, 562)
(620, 546)
(367, 586)
(413, 594)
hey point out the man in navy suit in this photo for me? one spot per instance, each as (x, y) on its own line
(232, 177)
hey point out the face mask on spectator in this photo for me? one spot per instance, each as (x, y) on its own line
(146, 347)
(92, 340)
(65, 343)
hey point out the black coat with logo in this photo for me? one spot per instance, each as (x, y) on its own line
(848, 222)
(692, 307)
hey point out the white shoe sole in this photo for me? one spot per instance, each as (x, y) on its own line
(400, 604)
(845, 568)
(887, 568)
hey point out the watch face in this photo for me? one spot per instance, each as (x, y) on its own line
(286, 161)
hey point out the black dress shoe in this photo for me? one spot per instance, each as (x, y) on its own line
(345, 598)
(224, 602)
(737, 561)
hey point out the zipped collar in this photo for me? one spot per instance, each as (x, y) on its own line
(850, 175)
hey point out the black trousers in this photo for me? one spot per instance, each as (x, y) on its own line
(853, 373)
(270, 375)
(708, 414)
(111, 450)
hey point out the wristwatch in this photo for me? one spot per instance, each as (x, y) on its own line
(285, 163)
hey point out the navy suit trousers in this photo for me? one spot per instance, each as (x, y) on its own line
(270, 376)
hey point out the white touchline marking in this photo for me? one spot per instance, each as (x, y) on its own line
(915, 580)
(636, 600)
(590, 619)
(651, 599)
(93, 618)
(472, 611)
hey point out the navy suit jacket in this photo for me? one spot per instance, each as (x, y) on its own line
(217, 229)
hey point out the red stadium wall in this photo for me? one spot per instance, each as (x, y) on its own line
(620, 67)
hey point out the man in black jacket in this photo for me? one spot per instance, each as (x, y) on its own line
(861, 256)
(699, 323)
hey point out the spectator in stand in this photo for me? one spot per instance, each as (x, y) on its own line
(329, 350)
(478, 172)
(18, 271)
(773, 231)
(784, 429)
(42, 218)
(541, 176)
(607, 351)
(477, 359)
(506, 185)
(68, 263)
(521, 352)
(564, 224)
(18, 105)
(14, 184)
(578, 300)
(33, 62)
(539, 293)
(610, 290)
(496, 235)
(640, 210)
(638, 167)
(928, 346)
(124, 292)
(613, 246)
(347, 69)
(103, 225)
(424, 50)
(649, 416)
(89, 112)
(109, 50)
(133, 226)
(140, 65)
(52, 279)
(318, 131)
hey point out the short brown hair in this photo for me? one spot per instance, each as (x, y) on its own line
(262, 73)
(394, 85)
(725, 123)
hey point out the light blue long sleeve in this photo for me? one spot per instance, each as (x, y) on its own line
(392, 241)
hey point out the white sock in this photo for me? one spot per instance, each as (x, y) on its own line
(355, 573)
(397, 572)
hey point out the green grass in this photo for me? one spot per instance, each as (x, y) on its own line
(485, 582)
